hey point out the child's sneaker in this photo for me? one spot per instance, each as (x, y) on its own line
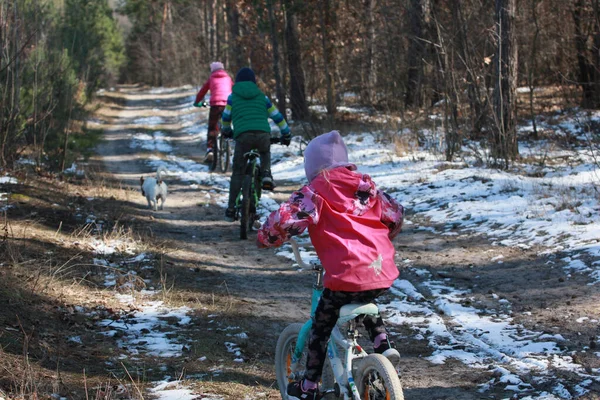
(208, 158)
(230, 215)
(295, 391)
(386, 350)
(267, 181)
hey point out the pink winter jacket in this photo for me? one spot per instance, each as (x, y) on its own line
(219, 83)
(351, 225)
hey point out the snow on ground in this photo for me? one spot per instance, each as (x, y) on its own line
(554, 204)
(152, 328)
(4, 196)
(4, 180)
(156, 141)
(173, 390)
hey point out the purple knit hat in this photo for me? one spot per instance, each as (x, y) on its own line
(324, 152)
(216, 65)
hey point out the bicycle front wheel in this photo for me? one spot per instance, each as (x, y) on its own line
(247, 218)
(378, 380)
(286, 344)
(224, 155)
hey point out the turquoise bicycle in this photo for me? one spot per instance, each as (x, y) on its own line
(349, 371)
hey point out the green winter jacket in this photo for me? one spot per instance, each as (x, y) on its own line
(248, 110)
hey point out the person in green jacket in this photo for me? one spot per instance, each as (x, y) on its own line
(249, 110)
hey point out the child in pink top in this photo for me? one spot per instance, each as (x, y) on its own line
(351, 225)
(219, 84)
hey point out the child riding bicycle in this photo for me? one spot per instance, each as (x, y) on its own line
(219, 84)
(249, 110)
(351, 225)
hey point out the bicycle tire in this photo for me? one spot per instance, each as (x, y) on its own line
(224, 154)
(213, 164)
(283, 358)
(377, 379)
(212, 167)
(246, 218)
(286, 343)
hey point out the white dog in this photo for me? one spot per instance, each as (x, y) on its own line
(154, 189)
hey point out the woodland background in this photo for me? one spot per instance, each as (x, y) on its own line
(398, 57)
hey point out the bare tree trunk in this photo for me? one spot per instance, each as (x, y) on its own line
(596, 53)
(504, 147)
(206, 15)
(297, 84)
(415, 54)
(4, 55)
(473, 89)
(445, 56)
(370, 74)
(276, 72)
(327, 20)
(226, 40)
(589, 75)
(237, 58)
(154, 47)
(219, 29)
(161, 43)
(213, 30)
(16, 83)
(533, 65)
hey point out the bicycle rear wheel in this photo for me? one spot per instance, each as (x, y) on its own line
(378, 380)
(224, 155)
(247, 217)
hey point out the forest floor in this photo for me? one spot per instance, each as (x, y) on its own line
(104, 298)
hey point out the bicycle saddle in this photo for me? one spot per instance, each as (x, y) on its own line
(252, 154)
(351, 311)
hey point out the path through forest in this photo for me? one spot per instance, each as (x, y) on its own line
(471, 319)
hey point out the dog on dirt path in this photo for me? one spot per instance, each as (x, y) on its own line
(155, 189)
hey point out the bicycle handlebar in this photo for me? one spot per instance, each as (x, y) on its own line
(297, 256)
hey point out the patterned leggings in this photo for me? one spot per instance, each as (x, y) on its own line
(326, 316)
(214, 115)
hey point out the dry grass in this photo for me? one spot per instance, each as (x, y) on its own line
(47, 273)
(55, 292)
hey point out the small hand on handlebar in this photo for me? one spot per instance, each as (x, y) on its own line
(227, 133)
(297, 256)
(283, 139)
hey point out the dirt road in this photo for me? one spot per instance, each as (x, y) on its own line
(233, 287)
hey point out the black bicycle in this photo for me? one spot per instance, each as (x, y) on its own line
(222, 152)
(248, 199)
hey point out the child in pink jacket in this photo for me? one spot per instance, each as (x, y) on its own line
(219, 84)
(351, 225)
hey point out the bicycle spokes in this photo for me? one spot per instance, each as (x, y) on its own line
(374, 388)
(289, 366)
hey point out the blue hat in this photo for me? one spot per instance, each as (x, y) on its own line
(245, 75)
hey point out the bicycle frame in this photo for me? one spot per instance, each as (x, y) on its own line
(342, 371)
(251, 170)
